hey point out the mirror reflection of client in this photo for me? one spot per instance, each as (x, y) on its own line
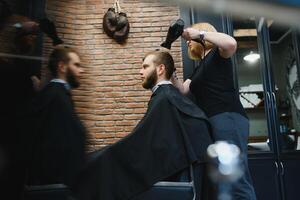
(172, 135)
(58, 135)
(213, 88)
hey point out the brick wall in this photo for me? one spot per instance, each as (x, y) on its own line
(111, 99)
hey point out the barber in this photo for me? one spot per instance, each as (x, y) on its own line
(212, 85)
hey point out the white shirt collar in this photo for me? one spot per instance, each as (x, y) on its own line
(164, 82)
(66, 84)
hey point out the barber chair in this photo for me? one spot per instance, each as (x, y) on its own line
(47, 192)
(186, 185)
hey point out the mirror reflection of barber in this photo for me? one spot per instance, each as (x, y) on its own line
(212, 85)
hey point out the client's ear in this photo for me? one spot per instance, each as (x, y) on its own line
(61, 67)
(161, 69)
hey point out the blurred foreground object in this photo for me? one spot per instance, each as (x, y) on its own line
(283, 11)
(225, 167)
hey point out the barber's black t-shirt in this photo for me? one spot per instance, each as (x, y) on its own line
(213, 87)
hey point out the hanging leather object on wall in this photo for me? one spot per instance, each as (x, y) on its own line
(122, 29)
(116, 24)
(110, 22)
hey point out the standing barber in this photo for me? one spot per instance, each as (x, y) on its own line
(213, 88)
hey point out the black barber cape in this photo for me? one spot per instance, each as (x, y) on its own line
(16, 96)
(173, 134)
(58, 140)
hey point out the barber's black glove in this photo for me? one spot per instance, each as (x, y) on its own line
(174, 32)
(48, 27)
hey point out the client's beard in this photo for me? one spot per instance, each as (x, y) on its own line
(151, 80)
(71, 79)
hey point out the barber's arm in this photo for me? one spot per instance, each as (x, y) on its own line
(227, 45)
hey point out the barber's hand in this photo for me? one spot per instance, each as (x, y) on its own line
(30, 25)
(27, 27)
(36, 82)
(190, 34)
(174, 78)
